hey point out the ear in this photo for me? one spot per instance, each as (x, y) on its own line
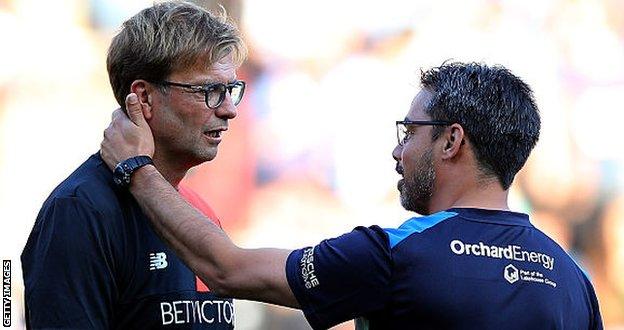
(144, 91)
(453, 140)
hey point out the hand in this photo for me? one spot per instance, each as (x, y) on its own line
(127, 136)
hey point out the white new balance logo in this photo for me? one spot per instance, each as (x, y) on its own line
(158, 260)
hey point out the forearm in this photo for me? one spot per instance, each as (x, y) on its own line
(207, 250)
(181, 225)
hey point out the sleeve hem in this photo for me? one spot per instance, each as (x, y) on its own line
(291, 276)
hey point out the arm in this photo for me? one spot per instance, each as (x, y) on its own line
(255, 274)
(68, 267)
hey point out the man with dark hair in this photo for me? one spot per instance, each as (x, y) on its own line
(92, 260)
(469, 263)
(498, 116)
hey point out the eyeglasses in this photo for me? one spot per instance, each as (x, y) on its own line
(403, 134)
(214, 93)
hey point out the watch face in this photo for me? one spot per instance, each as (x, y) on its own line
(123, 171)
(121, 175)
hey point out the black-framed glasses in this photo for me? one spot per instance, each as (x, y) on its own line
(403, 134)
(214, 93)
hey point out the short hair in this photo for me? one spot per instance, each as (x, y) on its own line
(495, 108)
(168, 37)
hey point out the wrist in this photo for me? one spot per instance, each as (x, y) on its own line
(144, 175)
(125, 170)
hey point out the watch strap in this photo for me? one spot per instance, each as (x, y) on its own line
(139, 161)
(124, 170)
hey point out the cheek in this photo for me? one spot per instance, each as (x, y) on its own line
(408, 159)
(191, 117)
(194, 110)
(187, 108)
(410, 152)
(167, 124)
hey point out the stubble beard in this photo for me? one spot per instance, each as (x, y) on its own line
(417, 190)
(184, 154)
(184, 149)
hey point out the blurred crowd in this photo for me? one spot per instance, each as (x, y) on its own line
(309, 155)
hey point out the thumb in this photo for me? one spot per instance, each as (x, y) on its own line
(135, 110)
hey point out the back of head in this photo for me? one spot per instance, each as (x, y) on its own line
(168, 37)
(496, 109)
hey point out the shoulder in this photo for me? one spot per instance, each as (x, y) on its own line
(358, 237)
(89, 187)
(416, 225)
(87, 193)
(546, 243)
(82, 211)
(388, 238)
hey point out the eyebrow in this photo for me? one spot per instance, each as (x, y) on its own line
(213, 81)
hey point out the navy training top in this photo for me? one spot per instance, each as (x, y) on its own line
(92, 261)
(457, 269)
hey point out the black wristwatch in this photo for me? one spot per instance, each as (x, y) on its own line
(123, 170)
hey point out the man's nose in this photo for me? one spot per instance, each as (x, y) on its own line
(396, 153)
(227, 109)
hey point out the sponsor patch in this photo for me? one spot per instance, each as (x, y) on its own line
(307, 269)
(197, 312)
(509, 252)
(513, 274)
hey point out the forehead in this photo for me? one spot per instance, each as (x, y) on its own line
(417, 109)
(223, 70)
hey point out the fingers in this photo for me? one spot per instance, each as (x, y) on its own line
(109, 134)
(127, 135)
(135, 111)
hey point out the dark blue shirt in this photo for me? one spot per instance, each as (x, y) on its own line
(92, 261)
(458, 269)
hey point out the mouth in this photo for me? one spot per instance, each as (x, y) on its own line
(215, 134)
(399, 169)
(400, 183)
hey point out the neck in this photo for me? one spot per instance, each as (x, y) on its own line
(493, 198)
(171, 171)
(482, 195)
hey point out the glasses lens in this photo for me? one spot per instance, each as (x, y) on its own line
(401, 133)
(236, 92)
(215, 95)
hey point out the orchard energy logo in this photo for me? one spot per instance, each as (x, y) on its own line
(509, 252)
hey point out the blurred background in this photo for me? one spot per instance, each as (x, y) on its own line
(309, 156)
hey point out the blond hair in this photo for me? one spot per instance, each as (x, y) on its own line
(168, 37)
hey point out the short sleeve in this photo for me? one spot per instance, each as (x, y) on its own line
(342, 278)
(68, 268)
